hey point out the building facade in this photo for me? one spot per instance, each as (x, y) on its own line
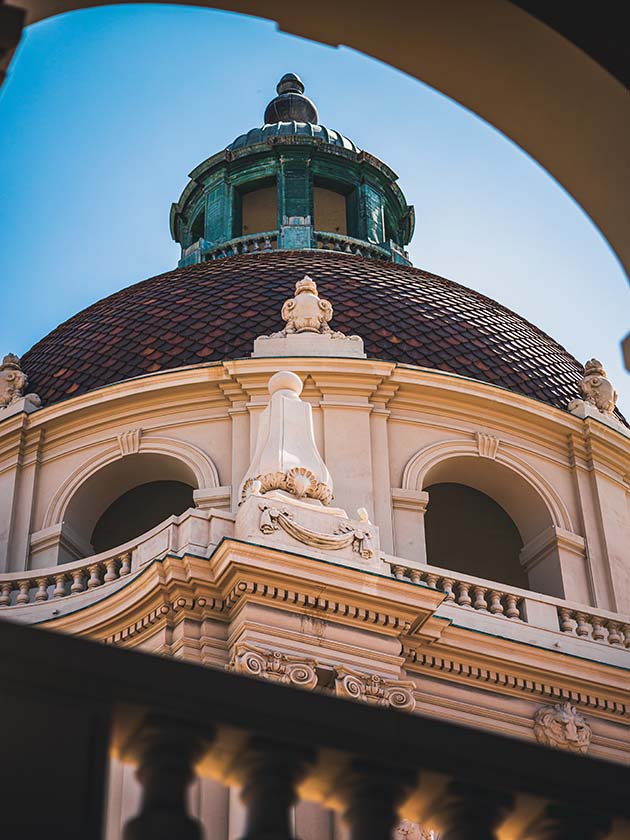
(301, 458)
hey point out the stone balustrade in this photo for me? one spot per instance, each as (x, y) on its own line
(465, 592)
(596, 626)
(349, 245)
(249, 244)
(39, 585)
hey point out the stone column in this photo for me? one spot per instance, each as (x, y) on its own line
(381, 476)
(409, 538)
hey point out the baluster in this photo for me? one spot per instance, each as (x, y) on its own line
(468, 812)
(479, 602)
(626, 635)
(255, 245)
(270, 772)
(447, 585)
(166, 752)
(348, 249)
(614, 633)
(559, 822)
(511, 603)
(267, 244)
(371, 795)
(95, 576)
(431, 580)
(60, 586)
(582, 628)
(566, 620)
(111, 567)
(398, 572)
(77, 581)
(23, 595)
(463, 598)
(42, 589)
(599, 631)
(415, 576)
(125, 564)
(496, 607)
(5, 594)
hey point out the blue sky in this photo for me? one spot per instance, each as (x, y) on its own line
(106, 110)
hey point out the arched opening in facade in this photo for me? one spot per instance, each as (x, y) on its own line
(330, 210)
(468, 532)
(128, 497)
(480, 516)
(198, 227)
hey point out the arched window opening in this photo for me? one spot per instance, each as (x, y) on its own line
(259, 210)
(128, 497)
(138, 510)
(467, 531)
(198, 228)
(330, 212)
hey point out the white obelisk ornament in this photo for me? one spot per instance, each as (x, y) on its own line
(286, 456)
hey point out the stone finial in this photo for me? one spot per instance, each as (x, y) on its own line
(13, 382)
(286, 456)
(596, 389)
(307, 331)
(563, 727)
(306, 312)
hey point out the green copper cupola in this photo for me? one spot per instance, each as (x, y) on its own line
(292, 184)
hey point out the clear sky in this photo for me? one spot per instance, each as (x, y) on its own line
(105, 112)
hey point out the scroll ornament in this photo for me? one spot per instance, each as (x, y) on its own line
(561, 726)
(376, 690)
(306, 312)
(273, 518)
(274, 666)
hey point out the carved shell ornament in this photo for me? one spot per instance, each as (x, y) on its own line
(561, 726)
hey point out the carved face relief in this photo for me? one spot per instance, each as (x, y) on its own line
(563, 727)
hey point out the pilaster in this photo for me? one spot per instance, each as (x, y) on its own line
(409, 508)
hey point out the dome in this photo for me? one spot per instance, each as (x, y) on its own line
(213, 311)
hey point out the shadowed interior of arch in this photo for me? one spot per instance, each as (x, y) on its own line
(138, 510)
(468, 532)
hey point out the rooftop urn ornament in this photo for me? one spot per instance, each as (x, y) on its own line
(286, 456)
(306, 311)
(13, 382)
(291, 105)
(596, 389)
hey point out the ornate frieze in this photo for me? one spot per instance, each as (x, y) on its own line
(273, 665)
(563, 727)
(374, 689)
(347, 534)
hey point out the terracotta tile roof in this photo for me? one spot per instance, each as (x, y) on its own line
(215, 310)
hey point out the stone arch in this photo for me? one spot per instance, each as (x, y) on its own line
(526, 495)
(195, 466)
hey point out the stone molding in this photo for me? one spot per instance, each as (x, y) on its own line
(213, 497)
(374, 689)
(415, 500)
(551, 539)
(511, 682)
(487, 445)
(198, 461)
(129, 441)
(274, 666)
(561, 726)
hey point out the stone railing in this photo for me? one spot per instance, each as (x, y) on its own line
(465, 592)
(596, 626)
(39, 585)
(532, 608)
(174, 719)
(249, 244)
(349, 245)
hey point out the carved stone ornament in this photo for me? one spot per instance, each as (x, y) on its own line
(347, 534)
(407, 830)
(596, 389)
(13, 382)
(563, 727)
(306, 312)
(371, 688)
(274, 666)
(286, 456)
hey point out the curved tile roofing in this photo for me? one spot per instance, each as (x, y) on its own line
(215, 310)
(292, 128)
